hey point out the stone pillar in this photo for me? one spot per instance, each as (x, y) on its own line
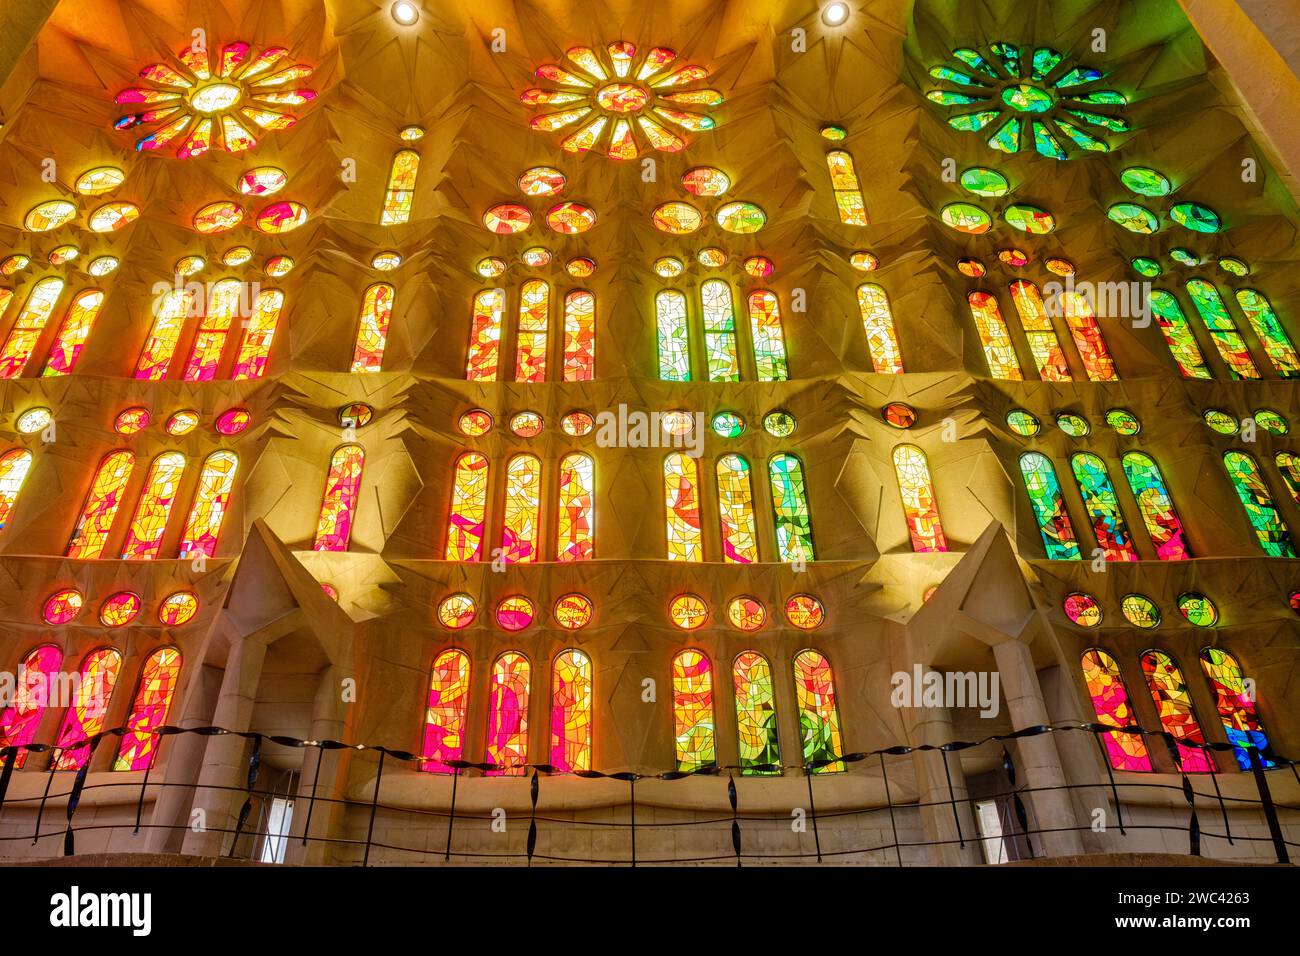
(933, 725)
(327, 819)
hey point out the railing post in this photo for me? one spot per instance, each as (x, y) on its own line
(812, 811)
(374, 805)
(1270, 811)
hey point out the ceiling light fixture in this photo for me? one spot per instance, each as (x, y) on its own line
(834, 14)
(405, 12)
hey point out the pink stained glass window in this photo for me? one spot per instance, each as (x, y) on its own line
(153, 699)
(211, 499)
(507, 733)
(73, 333)
(571, 712)
(372, 332)
(36, 312)
(224, 306)
(19, 722)
(1174, 707)
(579, 336)
(86, 715)
(90, 534)
(534, 317)
(920, 506)
(170, 312)
(444, 719)
(255, 347)
(1111, 704)
(144, 537)
(338, 507)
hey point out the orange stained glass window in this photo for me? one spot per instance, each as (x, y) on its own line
(848, 192)
(224, 303)
(338, 507)
(73, 333)
(736, 510)
(878, 322)
(693, 725)
(996, 340)
(521, 530)
(576, 529)
(1174, 706)
(465, 524)
(579, 336)
(534, 315)
(255, 347)
(507, 733)
(571, 712)
(14, 466)
(153, 699)
(1111, 704)
(682, 508)
(144, 537)
(444, 715)
(170, 312)
(920, 507)
(485, 335)
(769, 337)
(819, 716)
(102, 501)
(20, 720)
(211, 499)
(372, 333)
(1087, 336)
(17, 348)
(1044, 346)
(86, 715)
(400, 195)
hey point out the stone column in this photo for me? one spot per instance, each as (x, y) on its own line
(327, 819)
(933, 725)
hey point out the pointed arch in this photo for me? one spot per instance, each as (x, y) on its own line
(36, 312)
(338, 507)
(36, 675)
(159, 676)
(684, 530)
(1110, 702)
(399, 197)
(1265, 520)
(466, 519)
(445, 711)
(576, 528)
(920, 506)
(90, 533)
(736, 510)
(756, 724)
(819, 716)
(878, 323)
(507, 733)
(1099, 499)
(1236, 707)
(571, 695)
(693, 725)
(521, 529)
(87, 714)
(1174, 707)
(1157, 507)
(1049, 507)
(153, 507)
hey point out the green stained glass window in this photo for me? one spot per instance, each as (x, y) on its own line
(1023, 423)
(1259, 313)
(1123, 421)
(1140, 611)
(756, 715)
(1271, 421)
(1028, 98)
(1198, 609)
(727, 425)
(965, 217)
(1099, 499)
(1007, 136)
(674, 339)
(719, 331)
(1076, 426)
(1145, 266)
(1194, 216)
(790, 512)
(1184, 256)
(1046, 143)
(779, 424)
(1133, 217)
(1272, 532)
(1157, 507)
(1220, 421)
(1234, 266)
(1146, 181)
(819, 717)
(1030, 219)
(1178, 334)
(985, 182)
(1223, 332)
(1049, 507)
(1045, 61)
(1289, 465)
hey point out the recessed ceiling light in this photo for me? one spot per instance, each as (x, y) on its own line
(833, 14)
(406, 13)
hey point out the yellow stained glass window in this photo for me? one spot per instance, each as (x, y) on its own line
(571, 695)
(466, 522)
(102, 501)
(400, 195)
(530, 345)
(211, 499)
(920, 507)
(520, 534)
(485, 336)
(819, 717)
(36, 311)
(14, 466)
(372, 332)
(144, 537)
(338, 507)
(848, 192)
(153, 699)
(73, 332)
(579, 336)
(170, 312)
(998, 349)
(576, 529)
(507, 732)
(682, 508)
(878, 323)
(736, 510)
(255, 348)
(693, 724)
(224, 304)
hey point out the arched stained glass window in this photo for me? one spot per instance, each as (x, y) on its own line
(1236, 706)
(338, 507)
(920, 506)
(998, 349)
(1174, 705)
(1111, 704)
(445, 711)
(372, 332)
(579, 336)
(878, 323)
(1277, 345)
(736, 511)
(86, 716)
(211, 499)
(848, 192)
(673, 335)
(819, 717)
(576, 529)
(170, 312)
(755, 714)
(507, 733)
(400, 194)
(1178, 334)
(769, 338)
(154, 507)
(153, 699)
(1049, 507)
(534, 317)
(790, 514)
(1266, 521)
(1223, 332)
(36, 312)
(1157, 507)
(719, 331)
(14, 466)
(102, 501)
(485, 335)
(1087, 337)
(465, 524)
(571, 712)
(693, 711)
(522, 526)
(1099, 499)
(1049, 358)
(255, 347)
(19, 721)
(73, 333)
(1287, 463)
(224, 304)
(682, 508)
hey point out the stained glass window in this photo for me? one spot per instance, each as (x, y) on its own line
(445, 711)
(14, 466)
(693, 711)
(576, 530)
(91, 531)
(769, 337)
(211, 499)
(259, 331)
(673, 336)
(521, 529)
(1087, 337)
(995, 338)
(579, 336)
(1044, 346)
(878, 323)
(73, 333)
(1287, 463)
(1236, 706)
(1111, 704)
(154, 507)
(36, 311)
(465, 524)
(1266, 521)
(819, 717)
(153, 699)
(1272, 336)
(682, 508)
(736, 510)
(37, 676)
(790, 513)
(1049, 507)
(755, 714)
(507, 732)
(534, 314)
(338, 507)
(1174, 705)
(1178, 334)
(372, 331)
(224, 304)
(719, 331)
(170, 311)
(400, 194)
(920, 507)
(1223, 332)
(1099, 499)
(88, 711)
(848, 192)
(485, 335)
(1157, 507)
(571, 712)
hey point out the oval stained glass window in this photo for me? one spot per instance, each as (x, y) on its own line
(746, 613)
(356, 415)
(386, 261)
(474, 422)
(899, 415)
(573, 611)
(577, 424)
(1082, 609)
(1140, 611)
(667, 267)
(741, 217)
(62, 606)
(1220, 421)
(131, 420)
(49, 215)
(1194, 216)
(262, 181)
(727, 425)
(779, 424)
(971, 267)
(805, 612)
(119, 609)
(1073, 425)
(218, 217)
(966, 217)
(1023, 423)
(236, 256)
(571, 218)
(1146, 181)
(688, 611)
(580, 267)
(34, 420)
(113, 216)
(101, 266)
(277, 267)
(456, 611)
(507, 218)
(233, 421)
(526, 424)
(182, 422)
(515, 613)
(1271, 421)
(1198, 609)
(491, 267)
(541, 181)
(759, 267)
(1133, 217)
(677, 218)
(282, 217)
(985, 182)
(864, 261)
(1123, 421)
(1030, 219)
(178, 608)
(705, 181)
(100, 180)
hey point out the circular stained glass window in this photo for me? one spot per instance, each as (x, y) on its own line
(474, 422)
(526, 424)
(102, 266)
(411, 134)
(1198, 609)
(1016, 258)
(1145, 266)
(536, 257)
(456, 611)
(1220, 421)
(507, 218)
(131, 420)
(515, 613)
(805, 612)
(668, 267)
(1082, 609)
(236, 256)
(965, 217)
(1234, 266)
(1123, 421)
(1073, 425)
(711, 257)
(971, 267)
(100, 180)
(677, 218)
(233, 421)
(1140, 611)
(1194, 216)
(759, 267)
(577, 424)
(62, 606)
(746, 613)
(541, 181)
(779, 424)
(580, 267)
(1030, 219)
(864, 261)
(34, 420)
(356, 415)
(705, 181)
(491, 267)
(262, 181)
(218, 217)
(386, 261)
(727, 425)
(742, 218)
(677, 423)
(1023, 423)
(985, 182)
(119, 609)
(282, 217)
(1146, 181)
(1133, 217)
(277, 267)
(573, 611)
(1060, 267)
(571, 218)
(899, 415)
(1271, 421)
(688, 611)
(182, 422)
(178, 608)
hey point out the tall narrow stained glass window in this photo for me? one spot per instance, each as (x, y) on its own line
(682, 508)
(719, 331)
(878, 323)
(819, 716)
(1049, 507)
(693, 725)
(372, 330)
(466, 519)
(14, 466)
(768, 336)
(576, 528)
(1223, 331)
(1174, 705)
(507, 732)
(73, 333)
(1277, 345)
(90, 534)
(154, 507)
(211, 499)
(484, 355)
(1287, 463)
(445, 711)
(579, 336)
(1265, 520)
(522, 526)
(848, 191)
(88, 712)
(920, 506)
(736, 510)
(153, 699)
(530, 343)
(36, 312)
(755, 714)
(1157, 507)
(338, 507)
(1108, 525)
(1044, 346)
(255, 347)
(1110, 702)
(673, 336)
(1087, 337)
(224, 304)
(571, 712)
(996, 340)
(19, 721)
(400, 194)
(1236, 707)
(170, 312)
(790, 513)
(1178, 334)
